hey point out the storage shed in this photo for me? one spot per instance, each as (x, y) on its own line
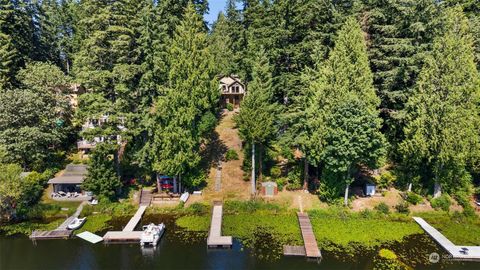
(269, 188)
(370, 189)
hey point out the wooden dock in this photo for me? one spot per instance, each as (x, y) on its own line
(46, 235)
(310, 243)
(215, 238)
(135, 219)
(472, 254)
(127, 234)
(294, 251)
(122, 236)
(61, 232)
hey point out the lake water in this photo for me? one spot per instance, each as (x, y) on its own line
(181, 250)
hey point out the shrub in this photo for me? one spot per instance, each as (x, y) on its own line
(443, 202)
(230, 106)
(294, 186)
(231, 155)
(385, 180)
(413, 198)
(276, 171)
(281, 182)
(403, 208)
(382, 208)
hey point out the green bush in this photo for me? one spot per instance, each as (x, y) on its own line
(385, 180)
(231, 155)
(275, 171)
(294, 186)
(281, 182)
(413, 198)
(382, 208)
(443, 202)
(403, 208)
(230, 106)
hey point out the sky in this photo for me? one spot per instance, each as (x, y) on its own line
(215, 7)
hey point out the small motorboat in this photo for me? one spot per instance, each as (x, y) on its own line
(94, 202)
(76, 223)
(152, 234)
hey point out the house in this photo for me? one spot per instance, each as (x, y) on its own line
(86, 145)
(70, 181)
(232, 91)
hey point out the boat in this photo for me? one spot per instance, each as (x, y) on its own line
(152, 234)
(94, 202)
(184, 197)
(76, 223)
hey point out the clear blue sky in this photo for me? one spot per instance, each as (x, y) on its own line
(215, 7)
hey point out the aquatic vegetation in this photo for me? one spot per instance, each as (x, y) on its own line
(283, 227)
(458, 228)
(338, 230)
(194, 223)
(27, 227)
(96, 223)
(388, 260)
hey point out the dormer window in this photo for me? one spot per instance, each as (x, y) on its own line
(224, 87)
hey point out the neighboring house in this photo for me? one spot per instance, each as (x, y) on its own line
(86, 145)
(70, 181)
(232, 91)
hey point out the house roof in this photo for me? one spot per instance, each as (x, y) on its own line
(229, 80)
(75, 169)
(67, 179)
(73, 174)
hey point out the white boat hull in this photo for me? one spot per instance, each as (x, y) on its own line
(151, 236)
(76, 223)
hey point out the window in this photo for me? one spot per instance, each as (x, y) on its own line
(224, 88)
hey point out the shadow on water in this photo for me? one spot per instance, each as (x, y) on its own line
(179, 249)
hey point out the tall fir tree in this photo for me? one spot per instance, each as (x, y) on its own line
(344, 80)
(257, 119)
(190, 99)
(399, 33)
(222, 47)
(442, 130)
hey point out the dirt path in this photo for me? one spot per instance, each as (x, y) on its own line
(232, 185)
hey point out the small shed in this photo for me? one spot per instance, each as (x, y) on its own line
(370, 189)
(269, 188)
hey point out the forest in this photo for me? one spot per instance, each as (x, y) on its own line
(355, 86)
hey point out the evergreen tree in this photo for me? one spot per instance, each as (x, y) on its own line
(442, 130)
(102, 178)
(191, 95)
(399, 33)
(344, 78)
(16, 39)
(7, 64)
(222, 47)
(256, 121)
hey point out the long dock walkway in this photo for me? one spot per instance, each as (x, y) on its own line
(135, 219)
(215, 238)
(61, 232)
(311, 246)
(472, 252)
(127, 234)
